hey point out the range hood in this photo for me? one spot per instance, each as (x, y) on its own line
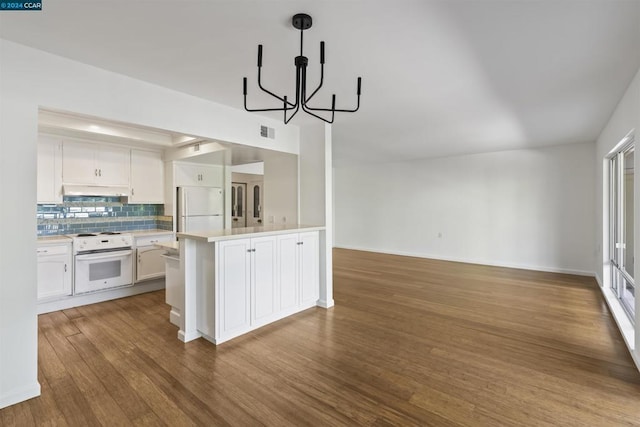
(95, 190)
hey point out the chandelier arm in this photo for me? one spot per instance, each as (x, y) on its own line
(321, 74)
(299, 78)
(338, 109)
(306, 110)
(319, 86)
(268, 91)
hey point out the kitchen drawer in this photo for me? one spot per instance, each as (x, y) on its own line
(153, 239)
(47, 250)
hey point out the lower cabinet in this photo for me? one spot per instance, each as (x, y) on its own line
(234, 283)
(149, 260)
(54, 271)
(263, 279)
(309, 269)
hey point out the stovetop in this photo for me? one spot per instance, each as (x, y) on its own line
(107, 233)
(96, 242)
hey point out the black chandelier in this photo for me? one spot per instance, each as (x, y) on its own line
(300, 21)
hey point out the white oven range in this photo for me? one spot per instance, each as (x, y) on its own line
(102, 261)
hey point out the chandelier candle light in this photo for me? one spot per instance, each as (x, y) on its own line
(300, 21)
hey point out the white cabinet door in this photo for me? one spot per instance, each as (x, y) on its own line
(234, 281)
(189, 174)
(147, 177)
(288, 272)
(78, 163)
(86, 163)
(263, 279)
(49, 170)
(54, 271)
(309, 269)
(211, 176)
(113, 166)
(150, 264)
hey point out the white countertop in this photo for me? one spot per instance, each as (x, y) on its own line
(239, 233)
(53, 239)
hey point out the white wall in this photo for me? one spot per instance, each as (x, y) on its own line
(625, 120)
(256, 168)
(280, 188)
(523, 208)
(30, 79)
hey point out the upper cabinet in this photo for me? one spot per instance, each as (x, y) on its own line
(147, 177)
(86, 163)
(49, 170)
(198, 175)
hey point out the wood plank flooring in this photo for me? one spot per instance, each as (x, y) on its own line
(409, 342)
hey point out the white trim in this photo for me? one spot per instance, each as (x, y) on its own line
(598, 279)
(474, 261)
(622, 320)
(326, 304)
(622, 145)
(107, 295)
(19, 395)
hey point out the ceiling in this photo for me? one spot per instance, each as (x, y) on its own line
(440, 78)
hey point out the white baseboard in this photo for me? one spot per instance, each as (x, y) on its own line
(598, 279)
(325, 304)
(79, 300)
(174, 316)
(188, 336)
(473, 261)
(19, 395)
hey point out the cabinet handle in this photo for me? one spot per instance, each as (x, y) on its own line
(99, 172)
(133, 192)
(65, 268)
(299, 243)
(248, 250)
(153, 241)
(96, 172)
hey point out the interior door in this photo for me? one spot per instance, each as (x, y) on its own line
(238, 204)
(254, 207)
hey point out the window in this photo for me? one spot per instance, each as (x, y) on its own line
(256, 201)
(621, 226)
(233, 201)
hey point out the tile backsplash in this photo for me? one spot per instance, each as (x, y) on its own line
(97, 214)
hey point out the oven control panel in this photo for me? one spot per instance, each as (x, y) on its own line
(102, 242)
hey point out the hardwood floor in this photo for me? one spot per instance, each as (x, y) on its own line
(409, 342)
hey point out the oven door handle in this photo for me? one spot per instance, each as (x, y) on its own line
(89, 257)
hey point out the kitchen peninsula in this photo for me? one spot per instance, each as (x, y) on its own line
(237, 280)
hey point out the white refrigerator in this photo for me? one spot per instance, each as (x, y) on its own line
(200, 209)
